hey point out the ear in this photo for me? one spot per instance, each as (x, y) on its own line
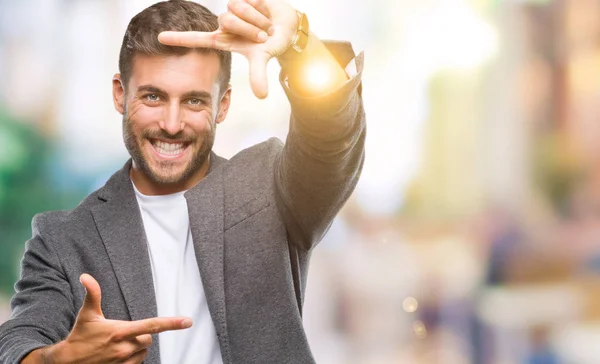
(118, 93)
(224, 105)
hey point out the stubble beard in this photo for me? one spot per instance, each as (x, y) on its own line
(162, 174)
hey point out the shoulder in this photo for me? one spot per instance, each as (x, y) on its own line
(258, 152)
(255, 159)
(51, 223)
(248, 175)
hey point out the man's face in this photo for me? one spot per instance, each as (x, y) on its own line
(170, 110)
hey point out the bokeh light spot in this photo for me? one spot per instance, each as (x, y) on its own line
(410, 304)
(419, 329)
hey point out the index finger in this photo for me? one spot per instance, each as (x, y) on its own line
(154, 325)
(191, 39)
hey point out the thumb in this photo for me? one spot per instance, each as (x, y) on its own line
(93, 297)
(258, 74)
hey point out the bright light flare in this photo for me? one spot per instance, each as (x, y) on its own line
(318, 75)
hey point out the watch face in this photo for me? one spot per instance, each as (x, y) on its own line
(303, 23)
(301, 40)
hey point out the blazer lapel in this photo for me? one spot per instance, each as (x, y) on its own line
(119, 222)
(205, 207)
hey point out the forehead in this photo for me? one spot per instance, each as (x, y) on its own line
(176, 73)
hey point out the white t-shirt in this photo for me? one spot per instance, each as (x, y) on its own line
(179, 290)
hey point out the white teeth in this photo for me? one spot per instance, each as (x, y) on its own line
(168, 148)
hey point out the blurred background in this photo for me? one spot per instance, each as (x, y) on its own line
(474, 234)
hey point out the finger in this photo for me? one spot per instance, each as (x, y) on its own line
(249, 14)
(232, 24)
(92, 303)
(215, 40)
(153, 326)
(123, 352)
(258, 74)
(261, 6)
(138, 357)
(143, 341)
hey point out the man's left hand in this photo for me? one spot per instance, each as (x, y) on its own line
(257, 29)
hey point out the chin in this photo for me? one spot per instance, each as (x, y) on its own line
(174, 172)
(169, 175)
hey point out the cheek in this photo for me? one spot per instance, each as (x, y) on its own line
(142, 116)
(200, 121)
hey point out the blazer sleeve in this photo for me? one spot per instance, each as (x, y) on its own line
(42, 308)
(323, 154)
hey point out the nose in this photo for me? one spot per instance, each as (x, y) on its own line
(172, 121)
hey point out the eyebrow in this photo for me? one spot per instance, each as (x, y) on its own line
(205, 96)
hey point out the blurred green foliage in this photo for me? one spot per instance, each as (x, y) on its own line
(24, 191)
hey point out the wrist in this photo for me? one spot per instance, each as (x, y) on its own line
(55, 354)
(314, 71)
(292, 57)
(300, 38)
(37, 356)
(46, 355)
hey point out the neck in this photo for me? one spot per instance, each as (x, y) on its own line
(148, 187)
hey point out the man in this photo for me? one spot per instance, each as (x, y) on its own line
(210, 253)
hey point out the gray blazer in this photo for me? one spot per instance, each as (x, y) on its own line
(254, 219)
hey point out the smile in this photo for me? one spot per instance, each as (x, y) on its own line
(168, 150)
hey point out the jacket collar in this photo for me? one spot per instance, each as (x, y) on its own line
(121, 228)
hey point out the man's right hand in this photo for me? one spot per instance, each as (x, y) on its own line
(94, 339)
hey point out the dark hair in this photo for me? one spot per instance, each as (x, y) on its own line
(141, 36)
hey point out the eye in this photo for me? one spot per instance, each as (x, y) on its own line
(195, 102)
(152, 97)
